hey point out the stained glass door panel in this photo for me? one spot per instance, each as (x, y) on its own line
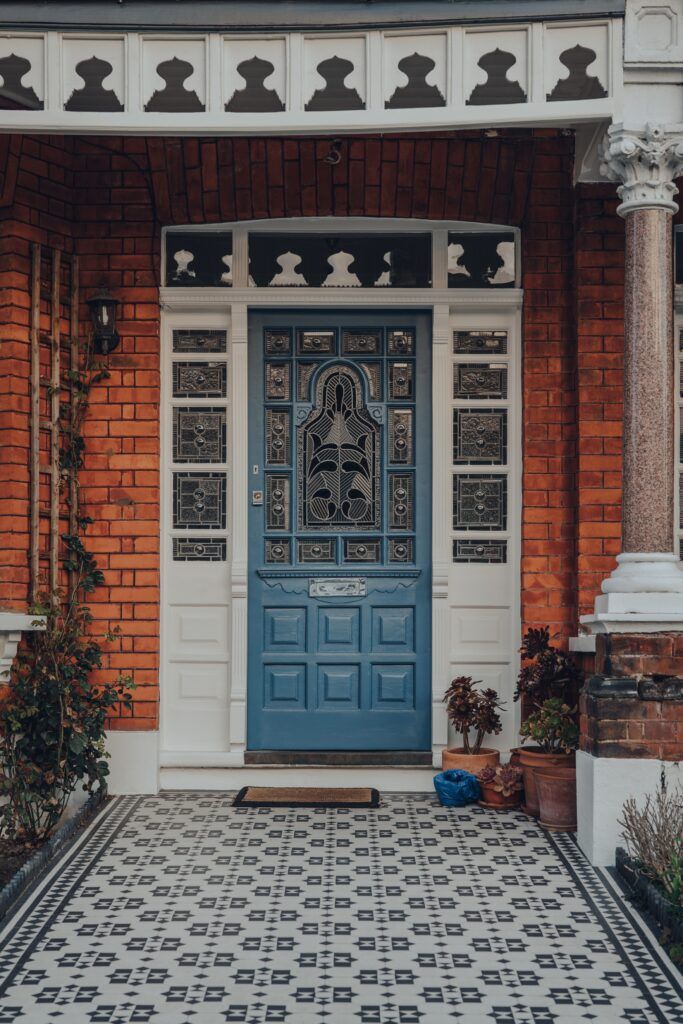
(339, 531)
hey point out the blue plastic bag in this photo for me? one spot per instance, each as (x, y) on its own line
(456, 787)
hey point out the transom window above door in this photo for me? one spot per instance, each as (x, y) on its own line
(426, 256)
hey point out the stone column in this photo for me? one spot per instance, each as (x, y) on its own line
(645, 591)
(631, 708)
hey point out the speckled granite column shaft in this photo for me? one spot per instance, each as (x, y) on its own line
(648, 384)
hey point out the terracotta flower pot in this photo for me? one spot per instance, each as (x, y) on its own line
(532, 758)
(557, 798)
(459, 758)
(515, 756)
(495, 800)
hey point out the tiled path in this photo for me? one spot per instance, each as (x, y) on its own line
(179, 909)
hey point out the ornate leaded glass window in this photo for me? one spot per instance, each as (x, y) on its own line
(199, 444)
(339, 445)
(480, 450)
(339, 457)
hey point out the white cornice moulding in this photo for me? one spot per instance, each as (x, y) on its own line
(458, 299)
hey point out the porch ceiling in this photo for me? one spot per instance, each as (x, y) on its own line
(464, 176)
(237, 15)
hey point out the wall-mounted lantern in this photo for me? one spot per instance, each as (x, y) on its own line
(103, 314)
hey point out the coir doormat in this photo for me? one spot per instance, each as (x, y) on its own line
(298, 796)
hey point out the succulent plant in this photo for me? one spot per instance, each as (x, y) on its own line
(503, 778)
(472, 709)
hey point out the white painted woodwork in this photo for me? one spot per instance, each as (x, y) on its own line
(295, 56)
(475, 607)
(484, 615)
(196, 626)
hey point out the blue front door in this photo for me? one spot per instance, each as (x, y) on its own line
(339, 531)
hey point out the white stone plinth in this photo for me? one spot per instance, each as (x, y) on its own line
(12, 625)
(603, 784)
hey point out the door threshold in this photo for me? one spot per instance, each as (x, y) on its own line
(418, 779)
(340, 758)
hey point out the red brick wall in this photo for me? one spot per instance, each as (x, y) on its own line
(549, 395)
(35, 206)
(121, 191)
(599, 345)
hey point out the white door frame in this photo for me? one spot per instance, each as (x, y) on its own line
(462, 308)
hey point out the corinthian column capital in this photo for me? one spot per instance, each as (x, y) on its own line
(646, 163)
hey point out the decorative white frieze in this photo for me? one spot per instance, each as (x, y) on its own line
(459, 75)
(646, 162)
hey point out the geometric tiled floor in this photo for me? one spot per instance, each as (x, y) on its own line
(180, 909)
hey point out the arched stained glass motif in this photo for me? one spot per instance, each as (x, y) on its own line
(339, 457)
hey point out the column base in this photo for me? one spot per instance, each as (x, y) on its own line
(644, 594)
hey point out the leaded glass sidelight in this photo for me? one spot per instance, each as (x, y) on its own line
(339, 457)
(199, 380)
(479, 502)
(199, 435)
(480, 342)
(199, 549)
(479, 436)
(199, 500)
(480, 380)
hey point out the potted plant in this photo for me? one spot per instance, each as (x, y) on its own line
(553, 729)
(476, 711)
(501, 786)
(548, 686)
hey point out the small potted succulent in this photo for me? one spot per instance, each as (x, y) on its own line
(471, 711)
(548, 686)
(501, 786)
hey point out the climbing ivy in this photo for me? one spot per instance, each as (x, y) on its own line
(52, 715)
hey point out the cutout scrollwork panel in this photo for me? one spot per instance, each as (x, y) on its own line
(339, 457)
(481, 260)
(94, 75)
(343, 261)
(198, 259)
(19, 74)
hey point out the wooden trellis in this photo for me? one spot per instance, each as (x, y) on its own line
(54, 353)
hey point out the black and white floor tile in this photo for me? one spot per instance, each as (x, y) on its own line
(180, 909)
